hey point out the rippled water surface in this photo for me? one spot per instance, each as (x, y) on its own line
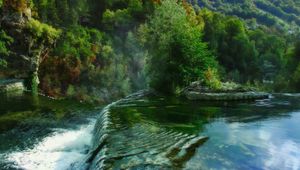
(151, 132)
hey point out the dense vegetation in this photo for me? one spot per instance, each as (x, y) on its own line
(174, 41)
(282, 14)
(5, 40)
(109, 48)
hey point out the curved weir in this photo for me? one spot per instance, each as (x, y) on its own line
(127, 140)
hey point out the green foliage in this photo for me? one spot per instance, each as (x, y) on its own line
(116, 19)
(71, 91)
(297, 51)
(120, 16)
(227, 37)
(258, 54)
(79, 50)
(211, 79)
(61, 12)
(5, 40)
(79, 42)
(85, 64)
(271, 50)
(295, 64)
(296, 78)
(135, 7)
(43, 31)
(111, 47)
(280, 14)
(178, 56)
(34, 84)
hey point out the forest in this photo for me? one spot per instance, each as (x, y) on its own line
(110, 48)
(149, 84)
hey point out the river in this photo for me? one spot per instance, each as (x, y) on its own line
(41, 133)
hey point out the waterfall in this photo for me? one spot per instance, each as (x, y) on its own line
(58, 151)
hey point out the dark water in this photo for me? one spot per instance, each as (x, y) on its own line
(263, 134)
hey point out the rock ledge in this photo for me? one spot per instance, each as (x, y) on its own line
(228, 91)
(193, 95)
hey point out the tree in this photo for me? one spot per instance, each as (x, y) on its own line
(228, 38)
(177, 54)
(44, 37)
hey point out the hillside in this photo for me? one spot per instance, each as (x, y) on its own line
(282, 14)
(101, 50)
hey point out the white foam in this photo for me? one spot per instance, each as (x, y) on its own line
(56, 152)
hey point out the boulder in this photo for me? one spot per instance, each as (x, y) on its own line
(11, 85)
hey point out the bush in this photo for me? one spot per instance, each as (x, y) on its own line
(211, 79)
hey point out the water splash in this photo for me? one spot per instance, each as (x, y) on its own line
(58, 151)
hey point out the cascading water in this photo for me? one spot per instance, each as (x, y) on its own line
(130, 141)
(58, 151)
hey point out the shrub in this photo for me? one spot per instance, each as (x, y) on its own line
(211, 79)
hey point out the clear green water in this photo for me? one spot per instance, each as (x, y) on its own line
(264, 134)
(243, 135)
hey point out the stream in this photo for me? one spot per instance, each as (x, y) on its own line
(149, 132)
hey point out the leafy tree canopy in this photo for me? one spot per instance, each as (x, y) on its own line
(178, 56)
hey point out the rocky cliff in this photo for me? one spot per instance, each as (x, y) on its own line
(32, 40)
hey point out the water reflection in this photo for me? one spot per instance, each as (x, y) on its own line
(242, 135)
(271, 141)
